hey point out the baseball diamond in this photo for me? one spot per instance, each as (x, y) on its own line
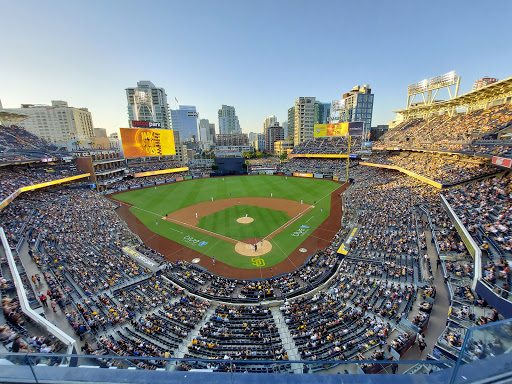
(182, 222)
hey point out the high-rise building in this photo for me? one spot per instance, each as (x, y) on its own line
(357, 105)
(115, 143)
(212, 132)
(274, 133)
(205, 134)
(228, 120)
(322, 112)
(283, 146)
(146, 102)
(253, 136)
(184, 120)
(291, 123)
(181, 149)
(56, 123)
(233, 139)
(259, 142)
(484, 81)
(304, 119)
(269, 121)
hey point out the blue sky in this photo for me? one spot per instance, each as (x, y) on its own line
(256, 55)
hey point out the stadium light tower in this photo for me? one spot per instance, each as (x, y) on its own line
(426, 87)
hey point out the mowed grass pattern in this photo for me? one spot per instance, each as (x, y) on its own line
(224, 222)
(151, 204)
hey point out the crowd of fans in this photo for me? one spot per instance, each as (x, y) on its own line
(76, 236)
(15, 178)
(152, 166)
(442, 130)
(485, 209)
(330, 146)
(335, 167)
(266, 162)
(17, 144)
(440, 169)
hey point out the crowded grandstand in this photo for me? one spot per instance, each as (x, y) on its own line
(401, 254)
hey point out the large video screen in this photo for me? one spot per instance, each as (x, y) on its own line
(327, 130)
(147, 142)
(339, 129)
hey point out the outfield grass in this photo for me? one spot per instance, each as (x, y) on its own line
(224, 222)
(151, 204)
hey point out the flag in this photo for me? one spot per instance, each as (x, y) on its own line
(176, 99)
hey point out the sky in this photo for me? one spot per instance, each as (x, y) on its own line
(258, 56)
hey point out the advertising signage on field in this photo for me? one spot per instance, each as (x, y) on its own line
(146, 124)
(147, 142)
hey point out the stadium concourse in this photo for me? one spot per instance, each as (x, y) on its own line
(396, 281)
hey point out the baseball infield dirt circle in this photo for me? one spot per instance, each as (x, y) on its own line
(245, 249)
(244, 220)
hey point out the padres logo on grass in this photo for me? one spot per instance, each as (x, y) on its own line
(256, 261)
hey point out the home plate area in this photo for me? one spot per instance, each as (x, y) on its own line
(253, 247)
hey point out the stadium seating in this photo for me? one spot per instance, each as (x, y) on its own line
(333, 307)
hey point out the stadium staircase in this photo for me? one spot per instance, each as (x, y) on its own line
(286, 338)
(182, 349)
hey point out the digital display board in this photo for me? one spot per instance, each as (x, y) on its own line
(339, 129)
(147, 142)
(355, 128)
(297, 174)
(327, 130)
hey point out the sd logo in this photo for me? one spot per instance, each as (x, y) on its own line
(256, 261)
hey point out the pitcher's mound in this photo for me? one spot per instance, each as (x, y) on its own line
(248, 249)
(244, 220)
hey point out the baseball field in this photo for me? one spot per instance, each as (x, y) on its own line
(244, 222)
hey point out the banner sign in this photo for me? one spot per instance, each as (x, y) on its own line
(296, 174)
(146, 124)
(502, 161)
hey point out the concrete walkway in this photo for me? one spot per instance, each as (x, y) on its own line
(57, 318)
(439, 314)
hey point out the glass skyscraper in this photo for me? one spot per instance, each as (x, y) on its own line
(184, 120)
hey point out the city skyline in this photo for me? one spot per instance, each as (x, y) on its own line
(103, 62)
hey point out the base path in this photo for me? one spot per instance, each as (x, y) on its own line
(172, 251)
(190, 215)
